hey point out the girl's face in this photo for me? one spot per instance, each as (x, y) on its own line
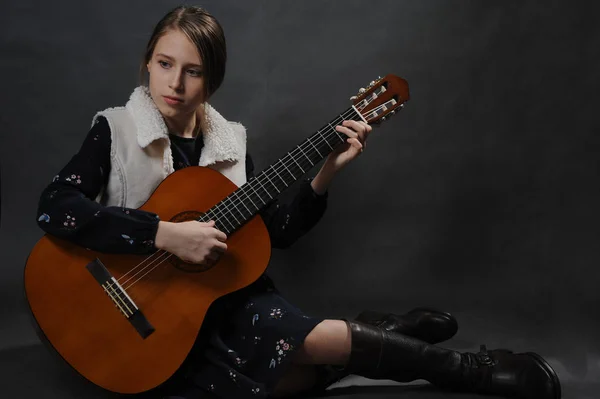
(176, 77)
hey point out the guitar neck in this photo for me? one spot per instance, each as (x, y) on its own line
(248, 200)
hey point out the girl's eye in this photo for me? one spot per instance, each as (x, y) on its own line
(194, 72)
(163, 64)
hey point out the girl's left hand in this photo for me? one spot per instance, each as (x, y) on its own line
(357, 132)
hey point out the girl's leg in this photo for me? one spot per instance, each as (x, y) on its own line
(328, 343)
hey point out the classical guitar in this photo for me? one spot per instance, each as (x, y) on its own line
(127, 322)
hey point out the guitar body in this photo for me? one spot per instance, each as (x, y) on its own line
(85, 327)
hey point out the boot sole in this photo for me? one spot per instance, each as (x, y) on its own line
(550, 371)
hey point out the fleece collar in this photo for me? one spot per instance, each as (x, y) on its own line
(220, 143)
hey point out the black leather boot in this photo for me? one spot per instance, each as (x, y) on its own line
(427, 324)
(380, 354)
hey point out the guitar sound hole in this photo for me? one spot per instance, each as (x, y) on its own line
(179, 263)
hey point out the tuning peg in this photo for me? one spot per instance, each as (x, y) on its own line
(361, 90)
(353, 98)
(393, 112)
(372, 83)
(383, 118)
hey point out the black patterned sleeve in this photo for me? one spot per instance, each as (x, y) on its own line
(291, 216)
(67, 206)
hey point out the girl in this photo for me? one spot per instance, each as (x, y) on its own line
(253, 343)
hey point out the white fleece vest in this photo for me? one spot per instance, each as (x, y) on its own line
(141, 150)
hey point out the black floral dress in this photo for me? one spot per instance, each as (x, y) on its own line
(248, 336)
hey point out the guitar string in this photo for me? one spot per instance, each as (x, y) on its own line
(241, 201)
(154, 267)
(228, 207)
(217, 210)
(208, 216)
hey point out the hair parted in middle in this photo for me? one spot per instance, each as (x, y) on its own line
(207, 35)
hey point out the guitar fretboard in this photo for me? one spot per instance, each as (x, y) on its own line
(248, 200)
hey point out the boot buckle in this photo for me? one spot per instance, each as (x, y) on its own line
(484, 358)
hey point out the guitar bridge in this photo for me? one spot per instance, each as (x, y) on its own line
(119, 297)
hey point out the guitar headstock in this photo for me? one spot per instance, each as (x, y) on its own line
(381, 98)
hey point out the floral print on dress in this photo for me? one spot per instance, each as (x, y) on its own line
(238, 361)
(233, 375)
(44, 217)
(276, 313)
(255, 318)
(74, 179)
(282, 348)
(255, 390)
(69, 222)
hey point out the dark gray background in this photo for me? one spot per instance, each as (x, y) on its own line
(480, 198)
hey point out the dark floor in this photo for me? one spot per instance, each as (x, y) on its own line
(32, 372)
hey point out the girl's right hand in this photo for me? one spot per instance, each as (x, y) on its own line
(192, 241)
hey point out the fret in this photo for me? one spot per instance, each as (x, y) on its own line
(252, 187)
(272, 167)
(324, 139)
(306, 156)
(294, 159)
(285, 166)
(263, 187)
(338, 133)
(236, 193)
(316, 149)
(219, 214)
(223, 228)
(244, 203)
(232, 214)
(270, 181)
(208, 216)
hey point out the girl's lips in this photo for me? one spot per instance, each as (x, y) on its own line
(172, 101)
